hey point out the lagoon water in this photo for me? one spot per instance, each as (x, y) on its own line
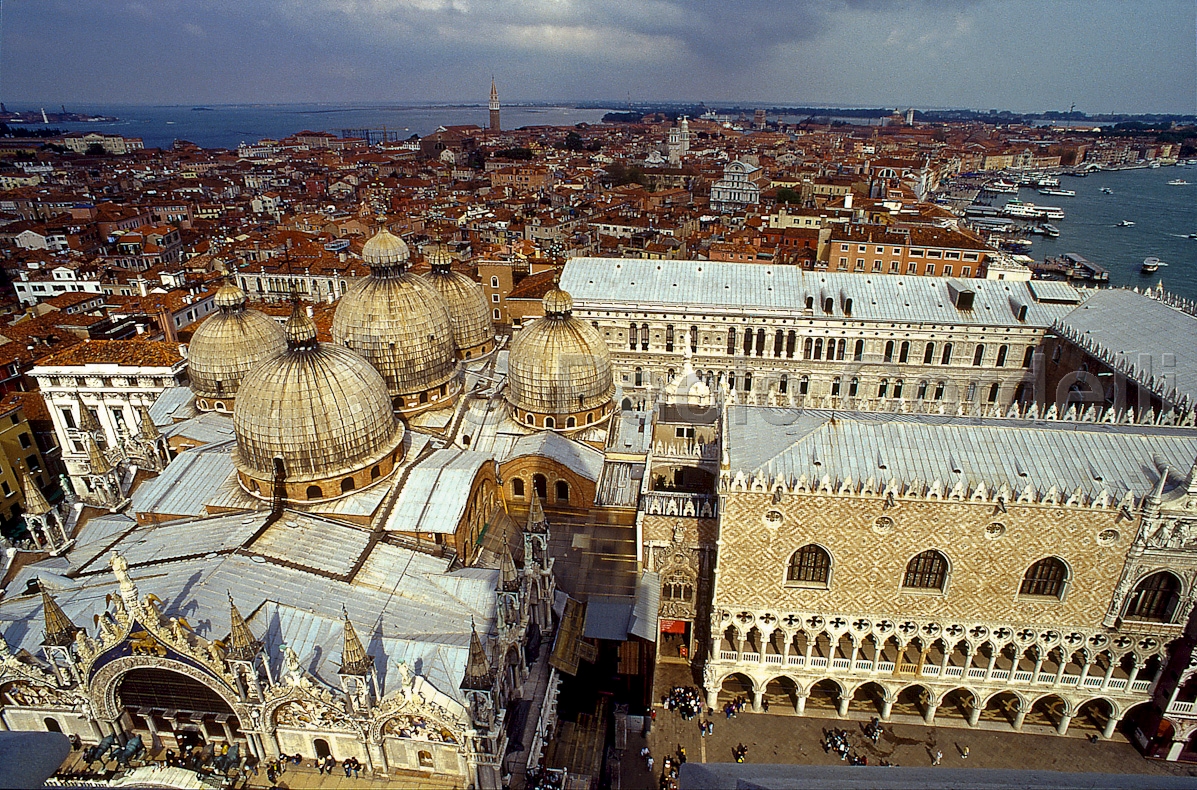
(1164, 216)
(228, 125)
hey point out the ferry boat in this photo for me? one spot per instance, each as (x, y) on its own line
(1177, 182)
(1126, 223)
(1060, 192)
(1003, 187)
(1016, 208)
(1151, 265)
(1049, 230)
(1048, 182)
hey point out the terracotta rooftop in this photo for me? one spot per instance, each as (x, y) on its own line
(150, 353)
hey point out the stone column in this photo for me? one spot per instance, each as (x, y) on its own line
(887, 706)
(785, 649)
(1175, 750)
(800, 704)
(810, 650)
(223, 720)
(1105, 681)
(992, 662)
(713, 698)
(842, 704)
(929, 713)
(852, 657)
(1134, 673)
(974, 713)
(148, 715)
(757, 697)
(1107, 732)
(1080, 683)
(1060, 671)
(1062, 727)
(1019, 716)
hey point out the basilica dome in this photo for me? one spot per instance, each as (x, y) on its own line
(559, 370)
(226, 347)
(473, 332)
(400, 323)
(324, 411)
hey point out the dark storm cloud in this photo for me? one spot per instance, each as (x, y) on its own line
(1021, 54)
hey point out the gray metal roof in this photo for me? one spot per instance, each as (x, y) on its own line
(205, 427)
(186, 485)
(436, 491)
(1149, 334)
(619, 485)
(711, 286)
(173, 403)
(862, 445)
(406, 606)
(581, 458)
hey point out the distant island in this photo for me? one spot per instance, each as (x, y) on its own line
(43, 117)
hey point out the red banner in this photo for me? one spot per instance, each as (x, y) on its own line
(673, 626)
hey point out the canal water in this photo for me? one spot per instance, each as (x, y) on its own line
(1164, 216)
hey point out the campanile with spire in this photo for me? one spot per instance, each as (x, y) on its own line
(494, 106)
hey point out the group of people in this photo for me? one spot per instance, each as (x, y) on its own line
(540, 778)
(836, 740)
(730, 709)
(328, 764)
(686, 700)
(873, 730)
(740, 752)
(669, 768)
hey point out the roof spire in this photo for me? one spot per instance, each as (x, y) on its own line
(536, 518)
(509, 578)
(87, 421)
(60, 631)
(148, 431)
(354, 660)
(99, 463)
(478, 674)
(35, 501)
(243, 646)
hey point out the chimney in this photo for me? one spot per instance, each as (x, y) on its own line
(848, 200)
(311, 311)
(183, 350)
(141, 287)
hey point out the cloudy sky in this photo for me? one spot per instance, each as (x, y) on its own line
(1022, 55)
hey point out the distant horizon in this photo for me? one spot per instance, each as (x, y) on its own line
(33, 105)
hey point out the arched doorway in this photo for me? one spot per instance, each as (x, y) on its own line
(912, 701)
(1047, 711)
(873, 697)
(957, 702)
(164, 704)
(781, 694)
(735, 685)
(321, 747)
(824, 695)
(1003, 706)
(1094, 715)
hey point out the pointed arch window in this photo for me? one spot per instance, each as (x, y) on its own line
(927, 570)
(810, 566)
(1046, 578)
(1155, 598)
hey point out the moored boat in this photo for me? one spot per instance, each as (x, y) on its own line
(1152, 264)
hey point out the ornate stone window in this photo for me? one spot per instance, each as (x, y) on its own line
(810, 566)
(773, 518)
(884, 525)
(1107, 537)
(927, 570)
(1046, 578)
(995, 530)
(678, 587)
(1154, 598)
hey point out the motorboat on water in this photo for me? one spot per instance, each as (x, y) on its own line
(1001, 186)
(1107, 190)
(1126, 223)
(1177, 182)
(1060, 192)
(1050, 230)
(1152, 264)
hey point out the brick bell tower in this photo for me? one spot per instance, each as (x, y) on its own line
(494, 106)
